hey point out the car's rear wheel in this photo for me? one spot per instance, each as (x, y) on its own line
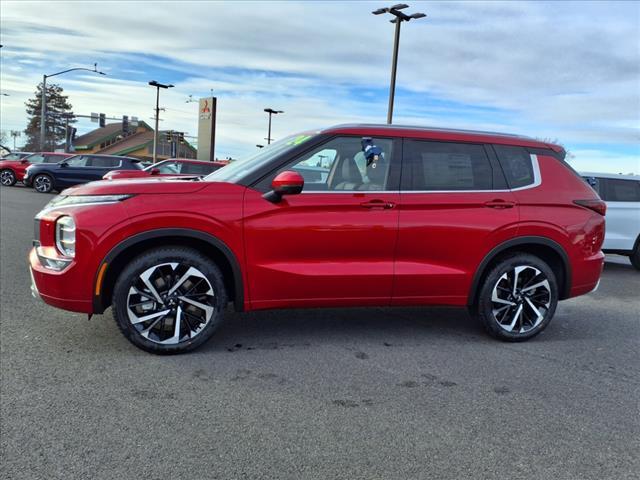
(7, 177)
(518, 298)
(43, 183)
(169, 300)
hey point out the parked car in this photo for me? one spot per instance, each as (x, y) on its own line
(622, 196)
(496, 223)
(171, 167)
(75, 170)
(16, 155)
(14, 165)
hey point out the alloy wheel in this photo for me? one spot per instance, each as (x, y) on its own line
(42, 184)
(170, 303)
(521, 299)
(7, 178)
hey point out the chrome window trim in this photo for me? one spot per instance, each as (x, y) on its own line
(537, 181)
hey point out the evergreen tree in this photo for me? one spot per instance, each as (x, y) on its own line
(57, 107)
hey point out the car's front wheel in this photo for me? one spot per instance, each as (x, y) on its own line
(7, 177)
(43, 183)
(518, 298)
(169, 300)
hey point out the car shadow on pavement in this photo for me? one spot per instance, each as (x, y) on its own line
(385, 326)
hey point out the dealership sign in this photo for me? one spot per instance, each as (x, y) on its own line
(206, 128)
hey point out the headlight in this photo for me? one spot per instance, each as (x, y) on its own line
(62, 200)
(66, 236)
(72, 200)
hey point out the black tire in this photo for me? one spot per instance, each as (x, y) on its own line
(497, 316)
(635, 256)
(163, 274)
(43, 183)
(7, 177)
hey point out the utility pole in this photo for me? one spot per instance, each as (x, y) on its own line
(43, 99)
(270, 111)
(400, 17)
(158, 86)
(14, 134)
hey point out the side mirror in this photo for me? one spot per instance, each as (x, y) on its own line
(155, 171)
(23, 161)
(285, 183)
(64, 164)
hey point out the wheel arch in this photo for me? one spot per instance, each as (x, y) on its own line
(207, 244)
(545, 248)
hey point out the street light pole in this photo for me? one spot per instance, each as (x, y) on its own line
(400, 17)
(43, 98)
(270, 111)
(158, 86)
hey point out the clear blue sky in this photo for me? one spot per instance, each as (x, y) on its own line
(566, 71)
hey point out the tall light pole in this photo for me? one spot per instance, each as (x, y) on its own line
(158, 86)
(270, 111)
(43, 99)
(400, 17)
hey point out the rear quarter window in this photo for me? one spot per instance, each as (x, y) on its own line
(516, 164)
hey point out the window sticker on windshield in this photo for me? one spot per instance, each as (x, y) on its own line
(299, 139)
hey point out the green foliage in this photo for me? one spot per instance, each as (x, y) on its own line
(57, 108)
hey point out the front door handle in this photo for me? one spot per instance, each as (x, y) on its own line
(499, 204)
(378, 204)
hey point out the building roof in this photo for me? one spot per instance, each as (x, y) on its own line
(132, 142)
(97, 136)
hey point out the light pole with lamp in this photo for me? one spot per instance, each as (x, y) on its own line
(400, 17)
(270, 111)
(43, 99)
(158, 86)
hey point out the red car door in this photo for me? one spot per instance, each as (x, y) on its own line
(455, 208)
(333, 244)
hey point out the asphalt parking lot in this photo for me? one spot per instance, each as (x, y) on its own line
(356, 394)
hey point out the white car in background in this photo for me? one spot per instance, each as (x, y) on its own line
(622, 195)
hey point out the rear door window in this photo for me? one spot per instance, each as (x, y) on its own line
(443, 166)
(195, 169)
(516, 164)
(104, 162)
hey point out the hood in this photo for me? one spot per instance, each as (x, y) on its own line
(154, 185)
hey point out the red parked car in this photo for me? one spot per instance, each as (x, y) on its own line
(389, 215)
(172, 167)
(13, 166)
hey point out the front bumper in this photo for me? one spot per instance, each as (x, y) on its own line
(56, 288)
(26, 180)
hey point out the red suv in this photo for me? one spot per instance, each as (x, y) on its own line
(14, 166)
(349, 216)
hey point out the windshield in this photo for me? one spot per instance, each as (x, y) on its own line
(240, 168)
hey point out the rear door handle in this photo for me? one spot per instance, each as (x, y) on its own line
(378, 204)
(499, 204)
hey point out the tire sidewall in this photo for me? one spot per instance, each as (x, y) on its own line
(13, 175)
(485, 307)
(150, 259)
(51, 188)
